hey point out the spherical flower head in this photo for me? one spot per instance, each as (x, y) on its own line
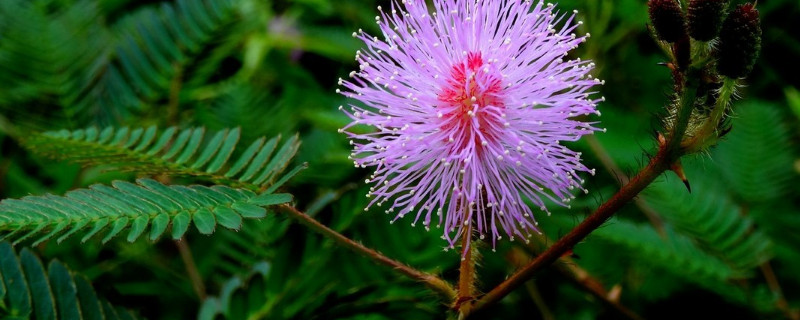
(470, 102)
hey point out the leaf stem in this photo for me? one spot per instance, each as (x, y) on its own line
(431, 281)
(191, 269)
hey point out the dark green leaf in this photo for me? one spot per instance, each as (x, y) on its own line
(64, 291)
(204, 221)
(43, 301)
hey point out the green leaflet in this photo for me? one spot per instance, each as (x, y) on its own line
(153, 45)
(91, 309)
(64, 291)
(39, 285)
(187, 152)
(17, 297)
(54, 293)
(675, 252)
(136, 207)
(269, 291)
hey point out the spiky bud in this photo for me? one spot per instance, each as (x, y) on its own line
(705, 18)
(668, 20)
(739, 42)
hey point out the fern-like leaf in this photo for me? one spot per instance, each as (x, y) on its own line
(27, 290)
(151, 49)
(234, 253)
(757, 157)
(44, 54)
(241, 104)
(271, 293)
(134, 207)
(711, 217)
(187, 152)
(675, 252)
(679, 255)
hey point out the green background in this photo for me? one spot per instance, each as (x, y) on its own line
(271, 67)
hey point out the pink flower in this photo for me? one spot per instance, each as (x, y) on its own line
(470, 104)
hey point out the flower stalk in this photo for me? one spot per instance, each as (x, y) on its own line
(470, 121)
(466, 277)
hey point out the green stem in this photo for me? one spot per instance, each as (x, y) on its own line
(706, 134)
(431, 281)
(685, 108)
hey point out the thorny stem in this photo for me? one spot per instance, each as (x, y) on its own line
(657, 165)
(466, 277)
(614, 170)
(667, 154)
(580, 276)
(431, 281)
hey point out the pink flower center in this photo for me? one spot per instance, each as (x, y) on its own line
(472, 105)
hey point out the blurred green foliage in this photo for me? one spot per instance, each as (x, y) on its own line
(269, 67)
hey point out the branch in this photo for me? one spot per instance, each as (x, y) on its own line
(431, 281)
(657, 165)
(669, 151)
(578, 275)
(605, 159)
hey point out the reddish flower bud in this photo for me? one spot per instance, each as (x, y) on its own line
(739, 42)
(668, 20)
(705, 18)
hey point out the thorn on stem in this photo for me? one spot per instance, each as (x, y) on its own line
(669, 65)
(725, 131)
(662, 141)
(678, 169)
(614, 293)
(570, 254)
